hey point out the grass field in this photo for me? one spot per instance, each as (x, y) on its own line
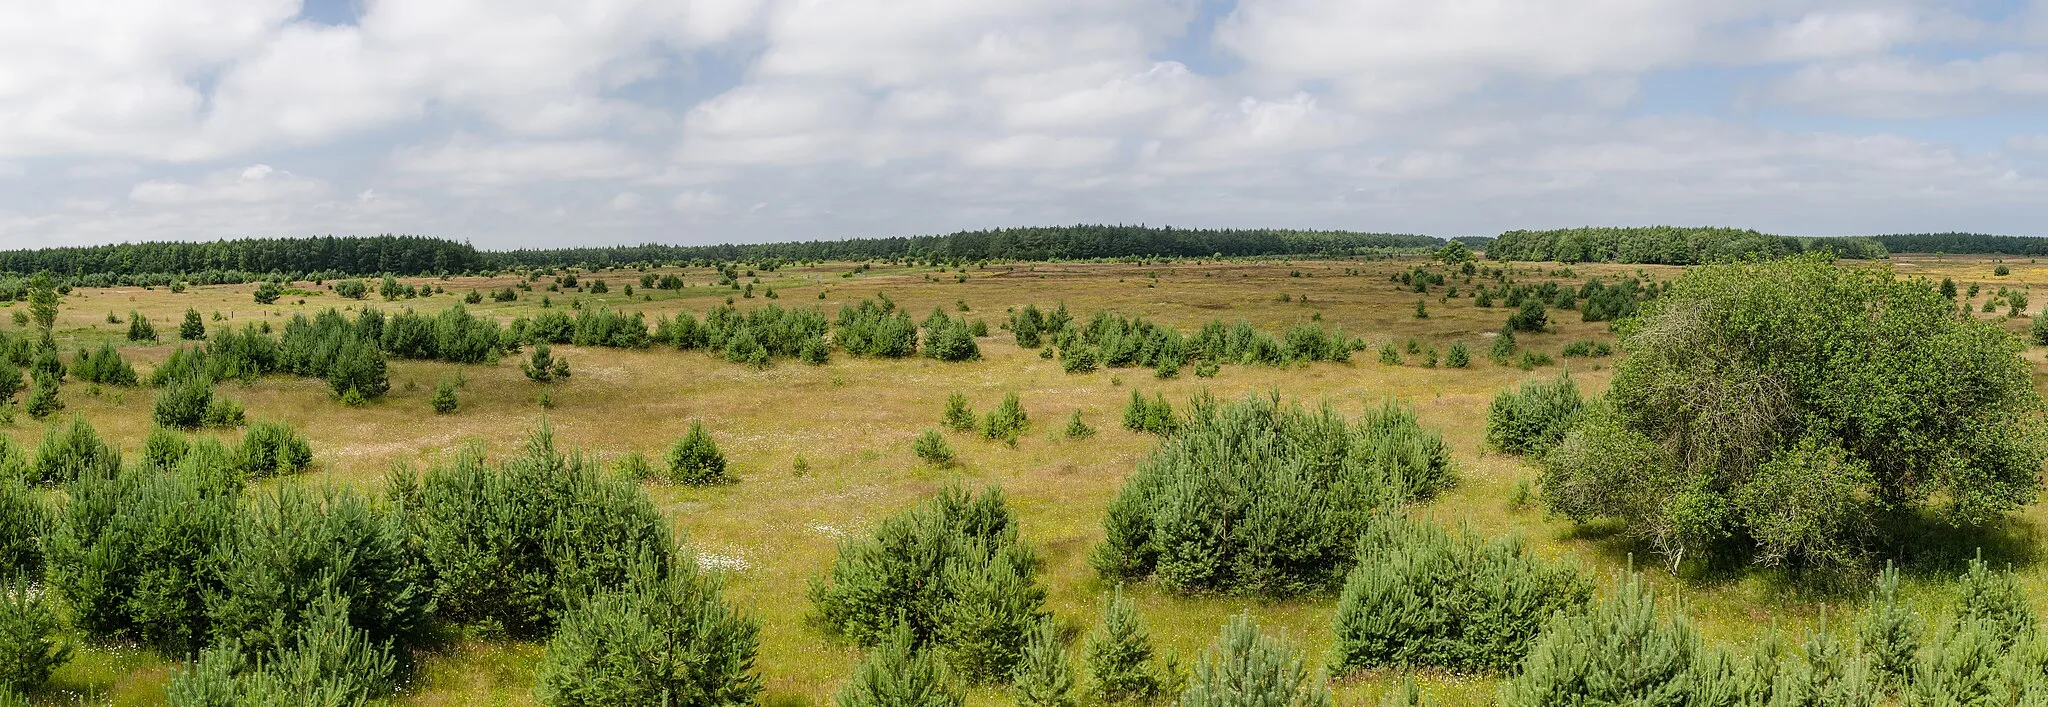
(852, 422)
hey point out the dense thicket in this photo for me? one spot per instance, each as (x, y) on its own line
(1112, 340)
(1963, 243)
(1077, 242)
(948, 573)
(662, 638)
(359, 255)
(1667, 245)
(876, 329)
(1535, 418)
(1265, 498)
(1786, 404)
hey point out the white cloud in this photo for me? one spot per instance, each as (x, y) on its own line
(467, 160)
(1905, 87)
(253, 184)
(697, 202)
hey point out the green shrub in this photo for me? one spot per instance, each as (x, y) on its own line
(1530, 317)
(1458, 356)
(543, 366)
(1289, 490)
(1155, 416)
(1422, 597)
(139, 328)
(1994, 602)
(949, 339)
(1007, 421)
(899, 673)
(959, 417)
(1534, 419)
(1390, 354)
(1246, 668)
(164, 448)
(444, 400)
(1585, 348)
(352, 288)
(695, 459)
(29, 645)
(1620, 652)
(1078, 428)
(1888, 630)
(359, 366)
(326, 663)
(290, 548)
(103, 366)
(71, 452)
(129, 556)
(1119, 656)
(10, 381)
(183, 404)
(656, 640)
(1044, 678)
(876, 329)
(951, 572)
(43, 397)
(1502, 351)
(24, 521)
(268, 292)
(932, 448)
(193, 328)
(272, 448)
(505, 546)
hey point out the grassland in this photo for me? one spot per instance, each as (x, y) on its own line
(852, 421)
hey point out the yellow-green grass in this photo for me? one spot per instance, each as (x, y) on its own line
(853, 419)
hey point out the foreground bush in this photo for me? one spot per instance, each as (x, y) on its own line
(1246, 668)
(189, 404)
(951, 572)
(129, 555)
(24, 519)
(29, 645)
(71, 452)
(695, 459)
(327, 663)
(1423, 597)
(898, 673)
(1533, 419)
(1119, 656)
(1265, 498)
(273, 448)
(505, 545)
(669, 640)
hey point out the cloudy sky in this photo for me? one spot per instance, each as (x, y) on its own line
(532, 122)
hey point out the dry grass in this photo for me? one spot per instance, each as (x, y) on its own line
(853, 420)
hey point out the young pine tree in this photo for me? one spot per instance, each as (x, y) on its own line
(444, 399)
(959, 417)
(29, 645)
(1246, 668)
(194, 328)
(1119, 656)
(899, 674)
(669, 640)
(932, 448)
(1889, 630)
(695, 459)
(1007, 421)
(1078, 428)
(1043, 677)
(43, 397)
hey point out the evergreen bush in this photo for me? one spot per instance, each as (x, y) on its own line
(958, 416)
(129, 556)
(139, 328)
(1535, 418)
(1044, 678)
(899, 673)
(695, 459)
(24, 520)
(1119, 656)
(1246, 668)
(72, 452)
(664, 638)
(1007, 421)
(193, 328)
(444, 400)
(272, 448)
(932, 448)
(30, 648)
(327, 663)
(43, 400)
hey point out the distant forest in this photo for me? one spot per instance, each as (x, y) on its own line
(1667, 245)
(250, 259)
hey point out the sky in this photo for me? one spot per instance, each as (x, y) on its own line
(524, 123)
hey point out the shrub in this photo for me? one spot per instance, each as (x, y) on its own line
(43, 400)
(1420, 596)
(1119, 656)
(695, 459)
(1926, 409)
(949, 339)
(289, 549)
(10, 381)
(505, 546)
(359, 366)
(1078, 428)
(898, 673)
(662, 638)
(272, 448)
(224, 413)
(268, 292)
(1534, 419)
(183, 404)
(163, 449)
(2038, 331)
(193, 328)
(1155, 416)
(1888, 630)
(958, 416)
(327, 663)
(29, 645)
(104, 366)
(352, 288)
(1457, 357)
(1246, 668)
(1390, 354)
(129, 556)
(139, 328)
(444, 400)
(1503, 348)
(876, 329)
(1530, 317)
(71, 452)
(1007, 421)
(1028, 324)
(950, 573)
(1289, 490)
(1994, 602)
(1618, 653)
(1043, 677)
(24, 520)
(2001, 270)
(543, 367)
(932, 448)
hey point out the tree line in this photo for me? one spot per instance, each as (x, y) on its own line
(1668, 245)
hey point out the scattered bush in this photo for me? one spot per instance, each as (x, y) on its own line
(71, 452)
(544, 367)
(352, 288)
(10, 381)
(662, 638)
(695, 459)
(29, 646)
(897, 673)
(948, 573)
(878, 330)
(932, 448)
(1290, 490)
(1119, 657)
(1155, 416)
(949, 339)
(43, 397)
(272, 448)
(193, 328)
(1007, 421)
(139, 328)
(1534, 419)
(1423, 597)
(327, 663)
(103, 366)
(958, 416)
(444, 400)
(1618, 653)
(24, 519)
(129, 555)
(1078, 428)
(1530, 317)
(268, 292)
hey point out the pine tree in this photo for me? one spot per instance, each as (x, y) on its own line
(1119, 656)
(42, 307)
(10, 380)
(668, 640)
(444, 400)
(1078, 428)
(1889, 630)
(898, 674)
(1007, 421)
(1995, 601)
(29, 646)
(1043, 677)
(1246, 668)
(959, 417)
(695, 459)
(139, 328)
(1948, 289)
(194, 328)
(24, 519)
(1621, 652)
(43, 400)
(932, 448)
(543, 367)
